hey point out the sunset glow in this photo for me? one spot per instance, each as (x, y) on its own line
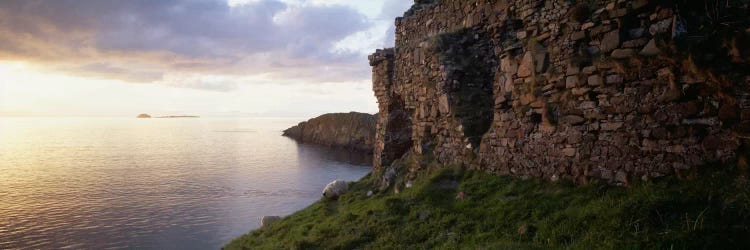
(210, 58)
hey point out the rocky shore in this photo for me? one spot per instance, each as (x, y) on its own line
(353, 131)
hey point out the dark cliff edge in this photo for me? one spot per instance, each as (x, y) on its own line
(353, 131)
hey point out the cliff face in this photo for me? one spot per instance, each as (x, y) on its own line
(613, 89)
(355, 131)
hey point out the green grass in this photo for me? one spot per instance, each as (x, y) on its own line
(709, 212)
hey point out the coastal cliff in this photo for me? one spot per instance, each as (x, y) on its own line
(515, 124)
(354, 131)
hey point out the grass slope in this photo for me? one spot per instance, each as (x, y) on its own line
(710, 212)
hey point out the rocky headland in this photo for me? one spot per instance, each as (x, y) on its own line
(353, 131)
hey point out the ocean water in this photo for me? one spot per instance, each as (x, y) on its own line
(126, 183)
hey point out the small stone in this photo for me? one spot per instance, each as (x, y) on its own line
(660, 27)
(580, 91)
(650, 49)
(571, 82)
(369, 193)
(527, 65)
(572, 119)
(443, 104)
(526, 99)
(622, 53)
(614, 79)
(589, 70)
(572, 70)
(678, 149)
(574, 137)
(537, 104)
(588, 105)
(621, 177)
(578, 35)
(460, 196)
(554, 178)
(595, 80)
(521, 35)
(569, 152)
(500, 100)
(508, 65)
(610, 41)
(586, 26)
(618, 13)
(610, 126)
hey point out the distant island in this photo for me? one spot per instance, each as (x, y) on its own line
(169, 116)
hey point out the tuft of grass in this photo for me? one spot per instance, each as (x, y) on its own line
(709, 212)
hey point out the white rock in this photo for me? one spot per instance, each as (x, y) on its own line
(335, 189)
(267, 220)
(369, 193)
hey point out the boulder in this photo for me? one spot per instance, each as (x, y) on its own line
(265, 221)
(335, 189)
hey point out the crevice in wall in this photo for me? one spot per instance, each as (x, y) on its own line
(465, 55)
(398, 136)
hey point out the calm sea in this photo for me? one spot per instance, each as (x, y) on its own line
(112, 183)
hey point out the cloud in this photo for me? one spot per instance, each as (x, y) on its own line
(144, 40)
(392, 9)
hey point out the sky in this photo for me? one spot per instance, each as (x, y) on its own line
(256, 58)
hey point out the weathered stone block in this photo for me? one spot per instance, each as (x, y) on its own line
(595, 80)
(571, 82)
(622, 53)
(610, 41)
(526, 66)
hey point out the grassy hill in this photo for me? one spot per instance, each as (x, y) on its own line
(707, 212)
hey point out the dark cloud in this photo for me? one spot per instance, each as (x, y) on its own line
(140, 40)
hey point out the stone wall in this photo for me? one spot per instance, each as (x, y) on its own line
(612, 89)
